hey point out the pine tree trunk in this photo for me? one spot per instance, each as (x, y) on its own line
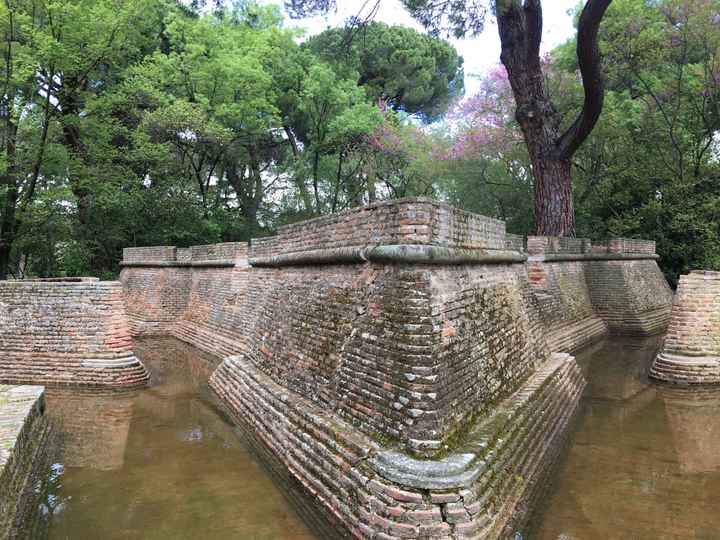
(554, 212)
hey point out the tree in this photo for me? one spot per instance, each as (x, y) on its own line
(551, 147)
(651, 168)
(409, 71)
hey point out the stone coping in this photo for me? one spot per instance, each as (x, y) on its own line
(570, 257)
(462, 468)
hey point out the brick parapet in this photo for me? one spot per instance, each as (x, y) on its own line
(691, 351)
(225, 254)
(66, 332)
(556, 248)
(398, 222)
(150, 254)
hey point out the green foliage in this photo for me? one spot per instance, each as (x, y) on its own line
(409, 71)
(172, 124)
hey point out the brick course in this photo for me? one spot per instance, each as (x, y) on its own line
(335, 355)
(691, 351)
(66, 332)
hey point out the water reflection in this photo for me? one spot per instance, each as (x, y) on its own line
(160, 463)
(644, 461)
(692, 415)
(94, 426)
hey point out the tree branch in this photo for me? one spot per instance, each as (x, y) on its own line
(588, 54)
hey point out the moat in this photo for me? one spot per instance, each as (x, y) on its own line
(165, 462)
(643, 459)
(162, 462)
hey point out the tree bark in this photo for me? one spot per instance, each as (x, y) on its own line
(8, 224)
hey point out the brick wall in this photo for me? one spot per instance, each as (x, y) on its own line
(66, 332)
(149, 254)
(405, 221)
(485, 492)
(155, 297)
(691, 351)
(631, 296)
(586, 289)
(333, 364)
(569, 316)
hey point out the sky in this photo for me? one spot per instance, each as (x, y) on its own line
(480, 53)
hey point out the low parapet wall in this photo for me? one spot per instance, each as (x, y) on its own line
(394, 357)
(691, 351)
(587, 288)
(71, 331)
(407, 222)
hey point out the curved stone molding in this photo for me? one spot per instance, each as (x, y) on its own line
(691, 351)
(69, 332)
(400, 254)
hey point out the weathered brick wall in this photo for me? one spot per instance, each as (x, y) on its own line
(392, 349)
(569, 316)
(485, 492)
(216, 316)
(631, 296)
(404, 221)
(66, 332)
(192, 286)
(487, 339)
(624, 245)
(691, 351)
(155, 297)
(229, 251)
(395, 350)
(338, 351)
(156, 254)
(585, 289)
(542, 245)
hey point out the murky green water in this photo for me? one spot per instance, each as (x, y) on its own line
(643, 462)
(161, 463)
